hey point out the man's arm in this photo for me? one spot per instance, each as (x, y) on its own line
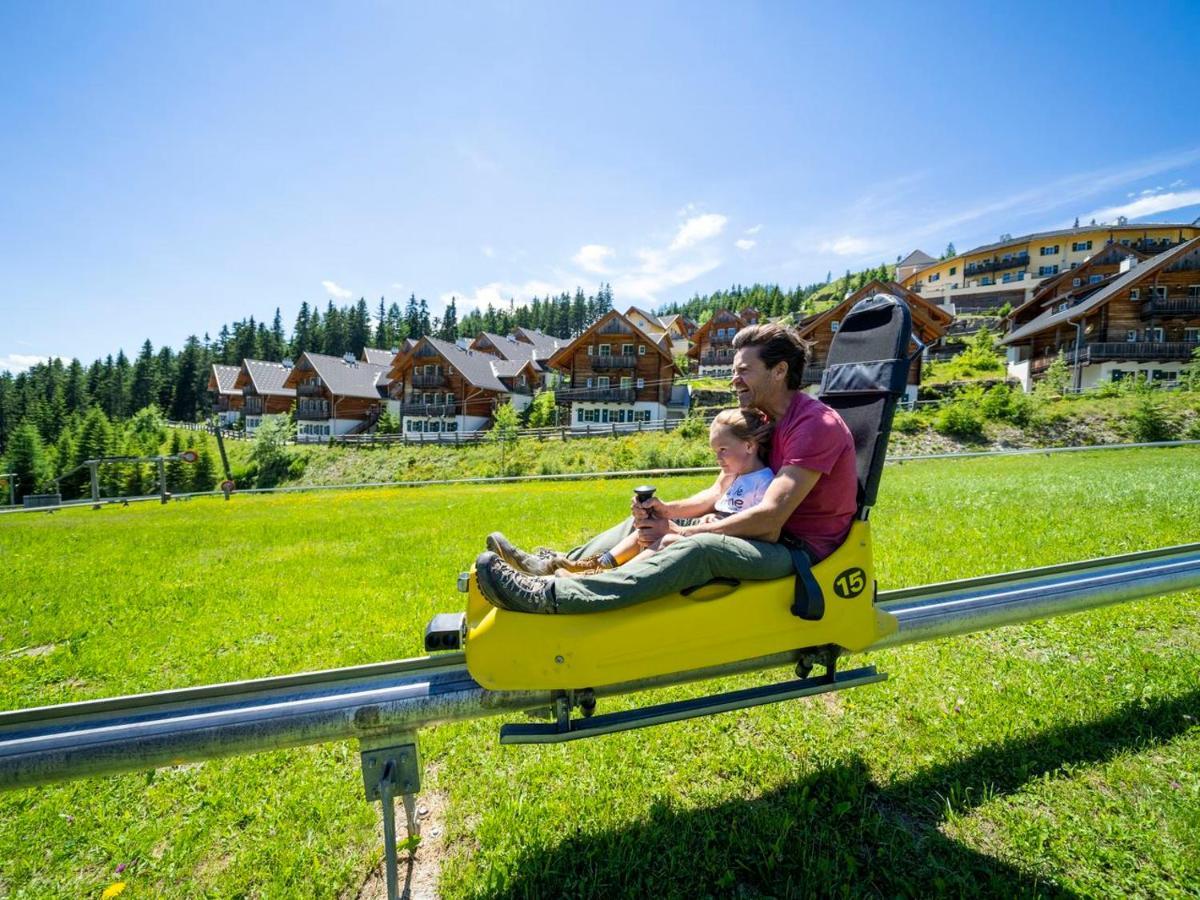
(765, 521)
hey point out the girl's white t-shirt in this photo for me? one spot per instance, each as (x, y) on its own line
(746, 491)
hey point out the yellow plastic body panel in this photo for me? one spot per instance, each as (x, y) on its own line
(522, 651)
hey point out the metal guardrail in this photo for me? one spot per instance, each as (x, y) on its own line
(585, 476)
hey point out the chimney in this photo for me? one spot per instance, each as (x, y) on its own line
(287, 363)
(348, 359)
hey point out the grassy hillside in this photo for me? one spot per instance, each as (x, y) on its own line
(1057, 758)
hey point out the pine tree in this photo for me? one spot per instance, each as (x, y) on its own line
(424, 326)
(383, 339)
(950, 251)
(177, 476)
(301, 335)
(204, 471)
(144, 390)
(412, 318)
(26, 457)
(449, 331)
(278, 341)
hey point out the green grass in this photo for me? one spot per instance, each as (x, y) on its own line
(1056, 758)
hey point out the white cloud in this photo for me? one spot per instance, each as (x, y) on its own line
(336, 291)
(591, 258)
(1177, 183)
(397, 285)
(697, 229)
(846, 246)
(744, 244)
(755, 230)
(488, 251)
(1146, 206)
(499, 293)
(19, 362)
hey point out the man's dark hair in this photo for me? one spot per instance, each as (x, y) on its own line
(777, 344)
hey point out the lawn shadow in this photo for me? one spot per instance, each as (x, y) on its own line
(838, 833)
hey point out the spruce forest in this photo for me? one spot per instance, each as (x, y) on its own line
(57, 414)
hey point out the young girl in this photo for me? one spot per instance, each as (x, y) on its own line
(738, 437)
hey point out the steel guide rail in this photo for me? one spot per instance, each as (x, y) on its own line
(143, 731)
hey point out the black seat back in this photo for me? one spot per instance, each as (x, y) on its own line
(865, 374)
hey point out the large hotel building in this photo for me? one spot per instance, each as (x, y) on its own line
(1010, 271)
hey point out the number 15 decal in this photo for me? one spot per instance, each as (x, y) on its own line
(850, 583)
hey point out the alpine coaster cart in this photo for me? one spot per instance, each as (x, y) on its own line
(818, 613)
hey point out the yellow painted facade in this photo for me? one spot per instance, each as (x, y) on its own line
(1024, 261)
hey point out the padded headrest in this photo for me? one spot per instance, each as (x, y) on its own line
(866, 372)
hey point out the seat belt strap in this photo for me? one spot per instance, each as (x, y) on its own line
(807, 600)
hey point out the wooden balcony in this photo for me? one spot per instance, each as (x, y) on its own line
(1133, 351)
(996, 265)
(253, 406)
(716, 359)
(310, 390)
(567, 396)
(607, 363)
(311, 410)
(429, 409)
(1170, 306)
(429, 381)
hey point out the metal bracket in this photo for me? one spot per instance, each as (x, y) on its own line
(389, 768)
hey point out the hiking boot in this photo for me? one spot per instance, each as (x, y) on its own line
(505, 587)
(541, 562)
(588, 565)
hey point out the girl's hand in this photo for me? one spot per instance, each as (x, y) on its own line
(653, 507)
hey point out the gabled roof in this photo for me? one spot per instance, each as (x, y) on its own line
(702, 331)
(474, 366)
(916, 258)
(224, 378)
(508, 347)
(1049, 288)
(544, 345)
(1120, 284)
(929, 320)
(344, 379)
(563, 356)
(651, 319)
(378, 357)
(267, 378)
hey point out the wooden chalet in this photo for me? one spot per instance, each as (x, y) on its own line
(929, 325)
(618, 374)
(264, 391)
(439, 387)
(1077, 283)
(1142, 322)
(678, 329)
(712, 348)
(336, 395)
(226, 397)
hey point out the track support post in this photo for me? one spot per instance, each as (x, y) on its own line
(391, 765)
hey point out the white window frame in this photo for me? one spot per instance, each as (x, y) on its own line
(1135, 293)
(1158, 292)
(1076, 282)
(627, 349)
(1131, 336)
(641, 349)
(641, 383)
(602, 381)
(626, 382)
(605, 350)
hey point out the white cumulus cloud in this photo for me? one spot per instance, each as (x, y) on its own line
(744, 244)
(591, 258)
(846, 246)
(1146, 206)
(488, 251)
(755, 230)
(336, 291)
(19, 362)
(697, 229)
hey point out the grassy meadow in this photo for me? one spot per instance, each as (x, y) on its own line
(1059, 758)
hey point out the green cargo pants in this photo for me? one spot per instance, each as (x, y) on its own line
(689, 561)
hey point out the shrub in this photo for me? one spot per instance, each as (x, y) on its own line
(1150, 422)
(270, 450)
(692, 427)
(1003, 403)
(907, 423)
(959, 420)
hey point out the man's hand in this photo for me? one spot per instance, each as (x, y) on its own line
(652, 520)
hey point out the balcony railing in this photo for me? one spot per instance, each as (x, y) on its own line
(567, 396)
(724, 339)
(1149, 245)
(1170, 306)
(309, 390)
(427, 381)
(1139, 351)
(995, 265)
(253, 406)
(312, 409)
(428, 409)
(716, 359)
(613, 362)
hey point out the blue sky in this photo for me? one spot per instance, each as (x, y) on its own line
(167, 168)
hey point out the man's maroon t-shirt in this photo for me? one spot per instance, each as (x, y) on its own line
(813, 436)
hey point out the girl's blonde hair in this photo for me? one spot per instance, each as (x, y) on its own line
(747, 425)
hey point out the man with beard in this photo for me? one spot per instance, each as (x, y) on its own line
(809, 505)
